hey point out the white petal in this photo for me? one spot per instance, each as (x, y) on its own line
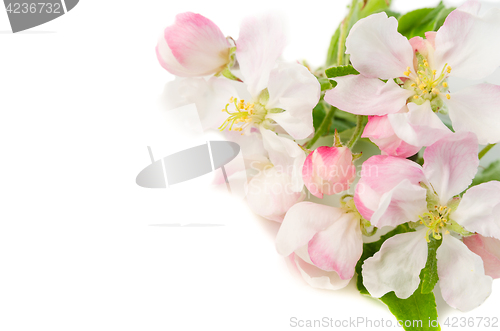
(464, 285)
(314, 276)
(377, 49)
(293, 88)
(302, 222)
(420, 126)
(468, 42)
(396, 267)
(451, 164)
(479, 209)
(475, 109)
(360, 95)
(271, 194)
(259, 45)
(286, 155)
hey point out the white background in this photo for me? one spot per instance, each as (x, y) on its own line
(82, 247)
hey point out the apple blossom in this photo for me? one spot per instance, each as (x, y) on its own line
(417, 73)
(332, 236)
(193, 46)
(394, 191)
(328, 170)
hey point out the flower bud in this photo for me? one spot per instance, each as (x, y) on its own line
(193, 46)
(328, 170)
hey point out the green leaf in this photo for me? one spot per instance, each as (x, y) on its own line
(342, 121)
(429, 274)
(492, 172)
(391, 13)
(418, 22)
(331, 56)
(325, 84)
(372, 7)
(341, 71)
(418, 307)
(417, 313)
(442, 17)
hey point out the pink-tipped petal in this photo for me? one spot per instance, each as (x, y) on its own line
(479, 209)
(339, 247)
(259, 45)
(379, 130)
(197, 45)
(451, 164)
(396, 267)
(404, 203)
(302, 222)
(463, 284)
(377, 49)
(293, 88)
(466, 42)
(380, 175)
(475, 109)
(420, 126)
(489, 251)
(361, 95)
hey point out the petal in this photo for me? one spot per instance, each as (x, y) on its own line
(404, 203)
(467, 42)
(381, 174)
(379, 130)
(270, 194)
(315, 277)
(475, 109)
(259, 45)
(377, 49)
(451, 164)
(302, 222)
(196, 43)
(464, 285)
(293, 88)
(361, 95)
(420, 126)
(339, 247)
(489, 251)
(396, 267)
(286, 155)
(479, 209)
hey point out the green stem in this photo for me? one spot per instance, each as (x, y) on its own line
(357, 133)
(330, 111)
(343, 34)
(485, 150)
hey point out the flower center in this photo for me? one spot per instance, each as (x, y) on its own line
(427, 83)
(244, 114)
(435, 220)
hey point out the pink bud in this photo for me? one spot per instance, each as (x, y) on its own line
(489, 250)
(193, 46)
(328, 170)
(381, 133)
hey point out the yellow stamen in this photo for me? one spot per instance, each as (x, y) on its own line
(448, 70)
(448, 96)
(445, 84)
(415, 97)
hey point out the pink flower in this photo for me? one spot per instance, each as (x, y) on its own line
(381, 133)
(193, 46)
(330, 236)
(328, 170)
(489, 250)
(417, 73)
(394, 191)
